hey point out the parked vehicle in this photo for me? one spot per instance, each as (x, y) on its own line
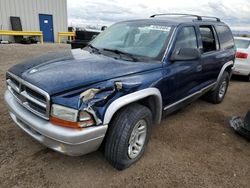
(115, 89)
(242, 62)
(83, 37)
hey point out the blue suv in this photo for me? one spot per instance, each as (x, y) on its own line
(111, 92)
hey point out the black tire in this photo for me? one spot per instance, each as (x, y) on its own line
(215, 96)
(119, 135)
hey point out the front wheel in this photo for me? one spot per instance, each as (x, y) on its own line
(217, 95)
(128, 136)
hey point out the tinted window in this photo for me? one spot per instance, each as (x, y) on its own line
(225, 37)
(186, 38)
(208, 39)
(241, 43)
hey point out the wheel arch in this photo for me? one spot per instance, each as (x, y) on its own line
(150, 97)
(226, 67)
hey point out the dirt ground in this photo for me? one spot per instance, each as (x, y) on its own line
(192, 148)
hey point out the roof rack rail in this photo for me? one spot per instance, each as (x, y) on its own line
(212, 17)
(193, 15)
(176, 14)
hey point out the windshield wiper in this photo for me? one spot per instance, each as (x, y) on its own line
(94, 49)
(121, 53)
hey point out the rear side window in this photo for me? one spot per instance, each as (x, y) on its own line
(208, 38)
(186, 38)
(241, 43)
(225, 37)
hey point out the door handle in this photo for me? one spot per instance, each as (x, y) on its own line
(199, 68)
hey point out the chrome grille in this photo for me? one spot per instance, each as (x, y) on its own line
(28, 95)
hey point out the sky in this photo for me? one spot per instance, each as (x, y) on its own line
(236, 13)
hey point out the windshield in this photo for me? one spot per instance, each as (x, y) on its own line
(135, 38)
(241, 43)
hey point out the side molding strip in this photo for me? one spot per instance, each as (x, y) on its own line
(196, 93)
(132, 97)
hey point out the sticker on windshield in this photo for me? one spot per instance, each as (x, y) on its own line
(160, 28)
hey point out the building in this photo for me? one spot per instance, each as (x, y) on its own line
(48, 16)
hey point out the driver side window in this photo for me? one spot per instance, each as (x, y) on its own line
(186, 38)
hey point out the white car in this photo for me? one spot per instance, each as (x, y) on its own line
(242, 62)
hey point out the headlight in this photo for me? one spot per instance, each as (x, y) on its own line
(64, 113)
(68, 117)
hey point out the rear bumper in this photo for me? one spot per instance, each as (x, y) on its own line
(68, 141)
(242, 72)
(241, 68)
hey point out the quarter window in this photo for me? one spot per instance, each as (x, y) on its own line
(208, 39)
(186, 38)
(225, 37)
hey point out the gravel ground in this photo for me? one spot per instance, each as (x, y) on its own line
(192, 148)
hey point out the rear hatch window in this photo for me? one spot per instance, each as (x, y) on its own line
(242, 43)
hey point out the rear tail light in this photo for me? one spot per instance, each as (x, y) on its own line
(241, 55)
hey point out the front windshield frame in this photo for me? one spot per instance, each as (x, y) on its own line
(162, 51)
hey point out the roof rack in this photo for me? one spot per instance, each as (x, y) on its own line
(176, 14)
(193, 15)
(217, 19)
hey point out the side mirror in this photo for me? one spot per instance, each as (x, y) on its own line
(184, 54)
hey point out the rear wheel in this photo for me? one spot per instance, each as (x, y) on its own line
(217, 95)
(128, 136)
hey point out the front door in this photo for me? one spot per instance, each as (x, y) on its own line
(182, 77)
(46, 26)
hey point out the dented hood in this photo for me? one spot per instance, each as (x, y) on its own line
(67, 70)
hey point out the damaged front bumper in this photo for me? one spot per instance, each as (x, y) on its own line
(242, 127)
(68, 141)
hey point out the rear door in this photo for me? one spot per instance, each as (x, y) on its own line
(217, 46)
(211, 57)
